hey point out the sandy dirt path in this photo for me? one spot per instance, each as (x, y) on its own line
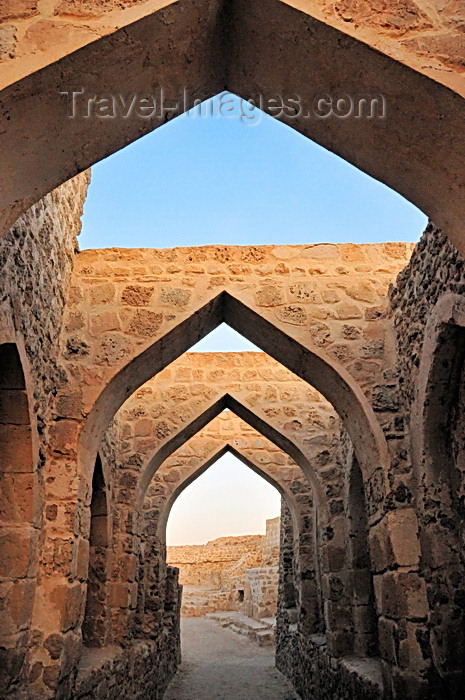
(221, 664)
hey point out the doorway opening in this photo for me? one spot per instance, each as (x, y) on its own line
(223, 536)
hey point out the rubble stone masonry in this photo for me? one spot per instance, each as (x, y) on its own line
(353, 407)
(109, 447)
(218, 575)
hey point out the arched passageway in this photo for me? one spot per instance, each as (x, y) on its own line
(125, 371)
(95, 624)
(419, 153)
(148, 440)
(182, 472)
(440, 473)
(248, 582)
(254, 574)
(309, 363)
(19, 518)
(140, 467)
(364, 619)
(122, 371)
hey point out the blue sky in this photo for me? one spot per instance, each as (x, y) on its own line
(217, 180)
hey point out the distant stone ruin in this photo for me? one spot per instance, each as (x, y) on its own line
(230, 574)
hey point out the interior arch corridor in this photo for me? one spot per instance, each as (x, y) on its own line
(347, 395)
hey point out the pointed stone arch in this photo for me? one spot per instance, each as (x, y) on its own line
(235, 452)
(438, 460)
(20, 514)
(95, 624)
(228, 47)
(442, 357)
(295, 509)
(248, 416)
(291, 484)
(123, 615)
(312, 365)
(309, 599)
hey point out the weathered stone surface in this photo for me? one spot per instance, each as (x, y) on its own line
(8, 40)
(371, 557)
(373, 21)
(35, 258)
(13, 9)
(392, 16)
(230, 573)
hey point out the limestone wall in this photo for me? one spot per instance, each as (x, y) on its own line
(317, 674)
(261, 592)
(271, 541)
(36, 259)
(207, 564)
(425, 34)
(36, 262)
(313, 294)
(212, 574)
(230, 573)
(142, 670)
(429, 322)
(371, 553)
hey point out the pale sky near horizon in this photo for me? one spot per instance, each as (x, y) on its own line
(226, 501)
(217, 180)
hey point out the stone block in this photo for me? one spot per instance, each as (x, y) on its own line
(18, 9)
(338, 616)
(16, 603)
(269, 295)
(19, 498)
(363, 586)
(69, 405)
(14, 407)
(379, 546)
(104, 321)
(127, 567)
(346, 310)
(82, 559)
(378, 591)
(8, 41)
(119, 595)
(410, 652)
(403, 595)
(334, 557)
(137, 295)
(99, 531)
(74, 607)
(407, 684)
(102, 294)
(402, 528)
(340, 643)
(15, 448)
(133, 587)
(67, 605)
(16, 547)
(145, 323)
(64, 435)
(435, 547)
(364, 619)
(50, 675)
(387, 636)
(322, 251)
